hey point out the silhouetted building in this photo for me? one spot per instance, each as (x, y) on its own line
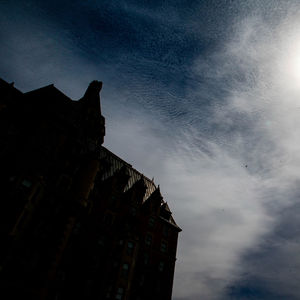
(77, 222)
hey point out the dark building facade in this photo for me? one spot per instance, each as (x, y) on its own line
(77, 222)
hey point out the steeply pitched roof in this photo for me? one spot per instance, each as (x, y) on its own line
(48, 92)
(116, 163)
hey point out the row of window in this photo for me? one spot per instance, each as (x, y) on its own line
(125, 269)
(163, 245)
(125, 266)
(119, 293)
(151, 224)
(108, 219)
(148, 242)
(131, 245)
(146, 262)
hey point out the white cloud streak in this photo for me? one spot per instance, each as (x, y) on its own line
(262, 65)
(225, 185)
(226, 197)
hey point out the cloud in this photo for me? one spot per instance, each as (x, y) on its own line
(229, 181)
(260, 121)
(218, 129)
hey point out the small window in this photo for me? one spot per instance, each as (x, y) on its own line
(120, 292)
(130, 248)
(148, 239)
(26, 183)
(163, 247)
(125, 270)
(151, 222)
(161, 266)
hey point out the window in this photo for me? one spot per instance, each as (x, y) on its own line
(125, 270)
(161, 266)
(26, 183)
(130, 248)
(163, 247)
(148, 239)
(120, 292)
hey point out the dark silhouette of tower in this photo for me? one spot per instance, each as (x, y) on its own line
(77, 222)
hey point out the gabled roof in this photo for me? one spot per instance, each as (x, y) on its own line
(115, 163)
(48, 92)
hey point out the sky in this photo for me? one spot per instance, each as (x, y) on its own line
(204, 96)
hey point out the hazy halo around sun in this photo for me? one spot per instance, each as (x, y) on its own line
(287, 58)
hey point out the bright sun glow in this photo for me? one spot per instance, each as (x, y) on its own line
(293, 67)
(289, 62)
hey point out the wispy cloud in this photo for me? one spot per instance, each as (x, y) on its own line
(252, 171)
(216, 125)
(229, 180)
